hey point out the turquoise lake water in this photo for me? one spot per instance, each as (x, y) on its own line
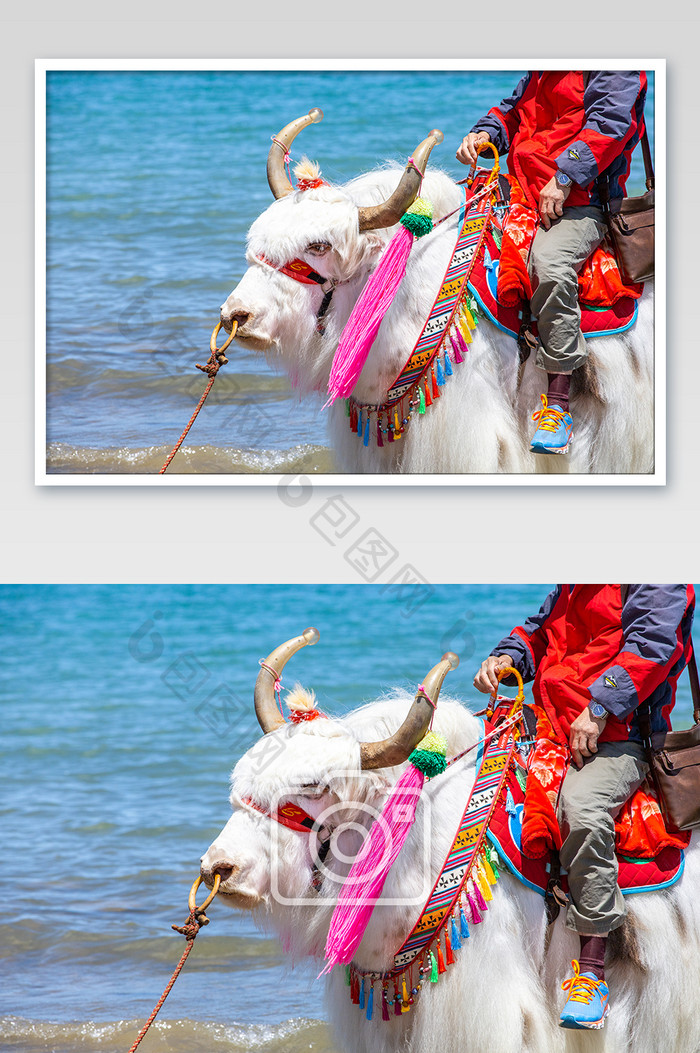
(153, 179)
(124, 709)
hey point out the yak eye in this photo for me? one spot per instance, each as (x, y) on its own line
(312, 790)
(318, 248)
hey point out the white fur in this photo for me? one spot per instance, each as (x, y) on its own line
(503, 992)
(481, 423)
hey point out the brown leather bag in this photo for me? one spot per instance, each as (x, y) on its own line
(631, 226)
(675, 763)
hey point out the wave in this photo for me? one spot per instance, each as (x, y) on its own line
(139, 944)
(62, 459)
(174, 1036)
(133, 382)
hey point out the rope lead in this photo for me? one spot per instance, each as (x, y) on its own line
(214, 363)
(196, 919)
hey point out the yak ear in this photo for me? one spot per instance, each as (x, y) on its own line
(360, 254)
(372, 241)
(370, 246)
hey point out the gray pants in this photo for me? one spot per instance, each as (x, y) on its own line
(556, 257)
(590, 799)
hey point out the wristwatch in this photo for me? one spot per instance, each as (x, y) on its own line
(597, 710)
(562, 178)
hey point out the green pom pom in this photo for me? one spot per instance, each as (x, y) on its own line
(418, 218)
(429, 755)
(418, 225)
(429, 763)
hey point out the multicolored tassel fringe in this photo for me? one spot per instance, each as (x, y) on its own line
(453, 932)
(452, 351)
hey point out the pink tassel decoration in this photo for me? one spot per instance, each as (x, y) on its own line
(476, 917)
(374, 301)
(372, 864)
(480, 901)
(379, 852)
(455, 346)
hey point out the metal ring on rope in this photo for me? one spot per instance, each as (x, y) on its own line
(192, 902)
(212, 343)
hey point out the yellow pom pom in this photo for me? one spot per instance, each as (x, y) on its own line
(421, 207)
(433, 743)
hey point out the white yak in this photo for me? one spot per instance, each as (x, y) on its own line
(503, 993)
(482, 421)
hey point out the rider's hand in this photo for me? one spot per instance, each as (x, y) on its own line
(468, 152)
(583, 737)
(552, 198)
(486, 679)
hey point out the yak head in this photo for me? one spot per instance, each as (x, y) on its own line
(305, 795)
(312, 244)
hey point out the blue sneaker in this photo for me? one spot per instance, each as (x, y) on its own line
(587, 1004)
(554, 429)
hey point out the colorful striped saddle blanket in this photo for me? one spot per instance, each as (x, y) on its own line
(483, 284)
(504, 833)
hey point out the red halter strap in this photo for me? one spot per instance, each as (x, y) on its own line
(289, 814)
(299, 270)
(302, 272)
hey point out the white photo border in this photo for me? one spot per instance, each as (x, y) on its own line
(44, 66)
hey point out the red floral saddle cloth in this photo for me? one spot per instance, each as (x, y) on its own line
(595, 320)
(635, 874)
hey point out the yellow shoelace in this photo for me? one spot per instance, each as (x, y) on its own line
(549, 417)
(581, 988)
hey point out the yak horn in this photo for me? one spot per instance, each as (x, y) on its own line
(395, 750)
(266, 708)
(372, 217)
(276, 174)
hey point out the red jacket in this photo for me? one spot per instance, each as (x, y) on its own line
(585, 125)
(583, 645)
